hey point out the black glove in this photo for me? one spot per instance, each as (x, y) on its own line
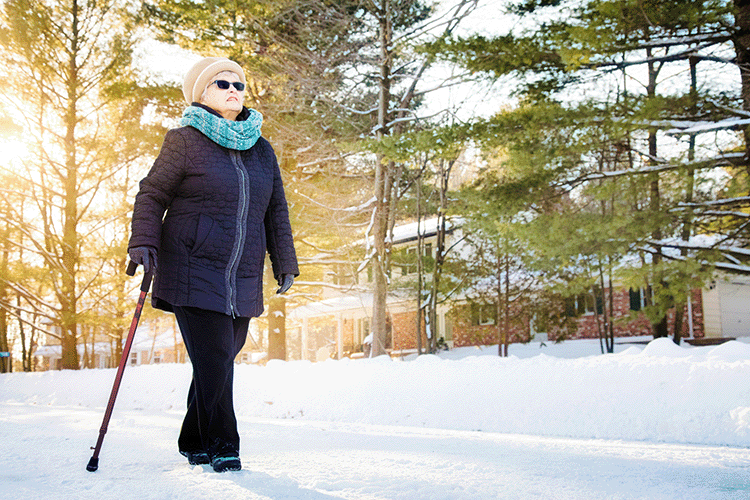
(285, 282)
(145, 256)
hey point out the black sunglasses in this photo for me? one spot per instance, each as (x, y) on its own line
(224, 85)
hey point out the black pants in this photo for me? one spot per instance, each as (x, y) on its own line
(212, 341)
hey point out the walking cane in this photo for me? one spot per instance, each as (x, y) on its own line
(93, 464)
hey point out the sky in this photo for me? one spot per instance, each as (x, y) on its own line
(554, 421)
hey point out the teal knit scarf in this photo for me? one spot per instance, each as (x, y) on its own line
(239, 135)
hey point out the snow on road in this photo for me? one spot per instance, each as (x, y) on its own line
(293, 459)
(650, 422)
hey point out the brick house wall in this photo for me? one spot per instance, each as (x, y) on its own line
(466, 331)
(404, 331)
(587, 325)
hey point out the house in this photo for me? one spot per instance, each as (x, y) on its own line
(337, 326)
(156, 340)
(726, 307)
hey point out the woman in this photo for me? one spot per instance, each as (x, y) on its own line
(219, 183)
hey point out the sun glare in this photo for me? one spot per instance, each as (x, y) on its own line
(13, 151)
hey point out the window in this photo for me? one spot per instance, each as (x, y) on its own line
(342, 275)
(411, 259)
(133, 358)
(447, 327)
(406, 259)
(637, 299)
(583, 304)
(483, 314)
(487, 313)
(362, 330)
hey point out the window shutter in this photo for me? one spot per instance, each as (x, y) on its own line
(570, 306)
(635, 299)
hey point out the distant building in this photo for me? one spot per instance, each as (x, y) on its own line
(338, 324)
(156, 340)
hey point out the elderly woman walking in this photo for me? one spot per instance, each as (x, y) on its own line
(211, 206)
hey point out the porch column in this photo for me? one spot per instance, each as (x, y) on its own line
(340, 337)
(303, 338)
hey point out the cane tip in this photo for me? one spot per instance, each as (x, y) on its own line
(93, 465)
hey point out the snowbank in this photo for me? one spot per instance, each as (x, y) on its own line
(656, 392)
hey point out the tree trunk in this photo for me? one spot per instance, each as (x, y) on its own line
(68, 294)
(5, 366)
(742, 49)
(277, 327)
(506, 317)
(499, 326)
(4, 293)
(611, 323)
(440, 251)
(687, 225)
(120, 318)
(25, 353)
(383, 172)
(420, 264)
(660, 326)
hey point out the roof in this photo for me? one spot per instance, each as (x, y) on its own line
(142, 341)
(359, 302)
(404, 233)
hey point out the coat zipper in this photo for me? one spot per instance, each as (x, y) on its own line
(239, 241)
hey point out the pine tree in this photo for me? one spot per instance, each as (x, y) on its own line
(328, 75)
(601, 100)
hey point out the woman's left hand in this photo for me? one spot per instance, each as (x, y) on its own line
(285, 283)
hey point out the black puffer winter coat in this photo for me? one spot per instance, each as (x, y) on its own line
(224, 209)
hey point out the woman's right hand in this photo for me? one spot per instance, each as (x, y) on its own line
(145, 256)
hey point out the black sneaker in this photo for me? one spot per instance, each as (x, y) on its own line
(196, 457)
(226, 463)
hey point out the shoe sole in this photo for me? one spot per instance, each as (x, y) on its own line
(196, 458)
(226, 464)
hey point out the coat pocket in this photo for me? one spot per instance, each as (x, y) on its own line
(202, 234)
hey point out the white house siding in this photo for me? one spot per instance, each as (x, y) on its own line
(726, 307)
(735, 308)
(711, 311)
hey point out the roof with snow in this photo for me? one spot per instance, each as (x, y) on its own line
(362, 301)
(410, 231)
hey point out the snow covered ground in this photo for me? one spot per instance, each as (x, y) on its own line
(561, 421)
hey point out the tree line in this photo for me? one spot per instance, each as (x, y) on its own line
(625, 160)
(622, 140)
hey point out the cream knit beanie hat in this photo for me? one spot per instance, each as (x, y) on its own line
(202, 72)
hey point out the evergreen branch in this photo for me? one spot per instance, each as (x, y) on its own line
(741, 215)
(725, 266)
(743, 252)
(717, 37)
(677, 56)
(741, 200)
(664, 166)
